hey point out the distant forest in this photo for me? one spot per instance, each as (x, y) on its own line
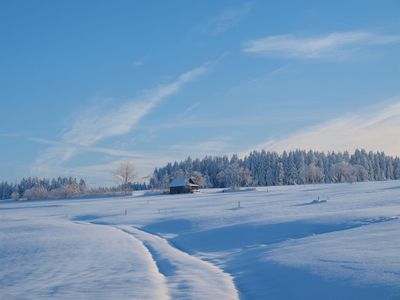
(261, 168)
(57, 188)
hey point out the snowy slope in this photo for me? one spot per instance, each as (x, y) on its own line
(63, 260)
(336, 241)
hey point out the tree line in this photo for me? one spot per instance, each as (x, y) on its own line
(58, 188)
(265, 168)
(259, 168)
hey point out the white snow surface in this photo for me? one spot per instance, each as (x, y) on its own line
(337, 241)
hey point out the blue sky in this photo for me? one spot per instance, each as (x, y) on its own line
(86, 84)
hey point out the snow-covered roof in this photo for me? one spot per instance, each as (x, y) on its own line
(182, 181)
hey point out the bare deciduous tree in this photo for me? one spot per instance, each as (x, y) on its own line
(198, 178)
(124, 174)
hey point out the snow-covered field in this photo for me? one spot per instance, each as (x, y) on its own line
(281, 243)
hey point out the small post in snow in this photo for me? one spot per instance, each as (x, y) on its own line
(238, 204)
(126, 212)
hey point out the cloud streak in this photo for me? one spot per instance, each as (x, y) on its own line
(207, 147)
(228, 18)
(99, 174)
(103, 150)
(330, 45)
(374, 129)
(97, 123)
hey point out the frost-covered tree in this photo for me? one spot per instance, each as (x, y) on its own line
(15, 195)
(198, 178)
(294, 167)
(37, 192)
(234, 176)
(124, 174)
(82, 186)
(280, 176)
(312, 174)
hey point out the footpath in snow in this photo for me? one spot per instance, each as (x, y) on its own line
(187, 277)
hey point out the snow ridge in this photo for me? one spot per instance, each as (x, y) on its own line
(187, 277)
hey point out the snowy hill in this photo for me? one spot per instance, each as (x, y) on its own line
(337, 241)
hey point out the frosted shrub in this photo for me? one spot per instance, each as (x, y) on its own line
(15, 196)
(36, 193)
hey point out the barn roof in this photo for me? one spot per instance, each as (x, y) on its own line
(182, 181)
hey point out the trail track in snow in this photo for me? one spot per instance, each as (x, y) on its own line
(187, 277)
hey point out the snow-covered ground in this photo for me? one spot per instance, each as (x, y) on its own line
(268, 243)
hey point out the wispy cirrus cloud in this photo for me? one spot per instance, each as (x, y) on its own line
(100, 172)
(138, 63)
(12, 134)
(329, 45)
(97, 123)
(82, 148)
(375, 129)
(207, 147)
(228, 18)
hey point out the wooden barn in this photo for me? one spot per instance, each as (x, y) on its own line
(182, 185)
